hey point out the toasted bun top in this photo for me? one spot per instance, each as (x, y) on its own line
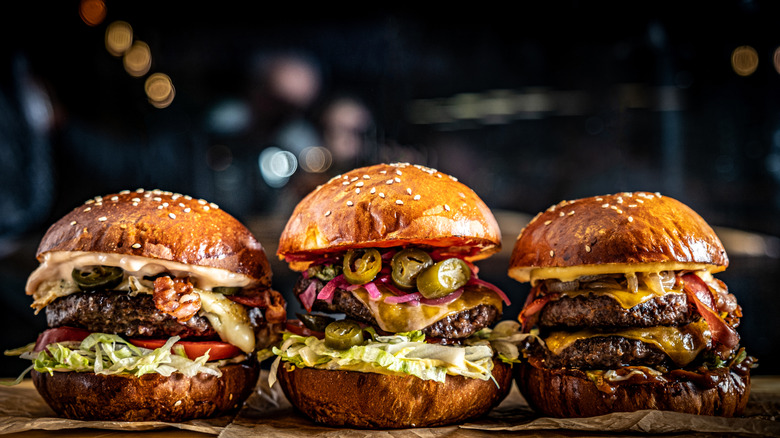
(390, 205)
(160, 225)
(615, 233)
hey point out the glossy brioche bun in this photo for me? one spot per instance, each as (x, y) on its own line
(151, 397)
(389, 205)
(617, 230)
(379, 401)
(567, 392)
(160, 225)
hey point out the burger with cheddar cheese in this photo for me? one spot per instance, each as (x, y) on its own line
(627, 311)
(156, 303)
(400, 328)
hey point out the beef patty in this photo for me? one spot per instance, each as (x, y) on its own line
(455, 326)
(601, 311)
(120, 313)
(607, 352)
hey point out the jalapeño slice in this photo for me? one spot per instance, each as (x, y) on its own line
(97, 277)
(407, 265)
(362, 265)
(443, 278)
(340, 335)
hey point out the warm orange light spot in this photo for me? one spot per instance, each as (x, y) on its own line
(744, 60)
(159, 90)
(776, 59)
(119, 37)
(138, 59)
(92, 12)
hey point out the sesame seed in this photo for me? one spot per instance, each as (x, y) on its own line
(397, 179)
(345, 183)
(214, 206)
(630, 219)
(547, 222)
(619, 211)
(381, 195)
(587, 248)
(360, 184)
(640, 201)
(73, 223)
(439, 175)
(202, 201)
(102, 219)
(373, 190)
(561, 214)
(88, 209)
(349, 203)
(353, 179)
(366, 177)
(446, 207)
(171, 215)
(205, 208)
(135, 204)
(453, 178)
(115, 198)
(165, 204)
(383, 172)
(399, 202)
(89, 201)
(181, 204)
(599, 199)
(157, 198)
(188, 197)
(409, 191)
(327, 213)
(187, 210)
(552, 253)
(398, 172)
(571, 213)
(139, 190)
(136, 199)
(357, 190)
(658, 194)
(416, 197)
(389, 181)
(604, 205)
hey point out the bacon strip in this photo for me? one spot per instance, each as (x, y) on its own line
(270, 300)
(532, 307)
(176, 297)
(698, 292)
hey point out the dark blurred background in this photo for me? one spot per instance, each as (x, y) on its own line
(251, 107)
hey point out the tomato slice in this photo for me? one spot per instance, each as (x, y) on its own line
(296, 326)
(59, 334)
(217, 350)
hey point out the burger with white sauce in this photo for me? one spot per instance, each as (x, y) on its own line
(156, 303)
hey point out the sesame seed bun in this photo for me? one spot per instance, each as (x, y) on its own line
(613, 233)
(389, 205)
(160, 225)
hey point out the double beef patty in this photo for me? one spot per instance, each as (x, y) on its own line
(602, 313)
(456, 326)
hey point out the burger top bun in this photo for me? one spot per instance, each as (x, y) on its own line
(160, 225)
(389, 205)
(624, 232)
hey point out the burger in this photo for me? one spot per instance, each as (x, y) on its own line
(626, 312)
(398, 331)
(156, 305)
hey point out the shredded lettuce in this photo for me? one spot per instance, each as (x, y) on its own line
(404, 354)
(103, 353)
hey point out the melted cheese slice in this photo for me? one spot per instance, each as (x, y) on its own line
(570, 273)
(625, 298)
(228, 318)
(682, 344)
(405, 317)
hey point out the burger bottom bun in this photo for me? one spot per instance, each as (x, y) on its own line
(150, 397)
(379, 401)
(565, 392)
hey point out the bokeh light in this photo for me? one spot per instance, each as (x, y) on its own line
(315, 159)
(744, 60)
(138, 59)
(119, 37)
(277, 166)
(92, 12)
(159, 90)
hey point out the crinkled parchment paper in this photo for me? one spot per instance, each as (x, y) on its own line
(268, 413)
(22, 409)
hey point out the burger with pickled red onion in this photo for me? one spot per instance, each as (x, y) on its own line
(390, 248)
(157, 304)
(627, 311)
